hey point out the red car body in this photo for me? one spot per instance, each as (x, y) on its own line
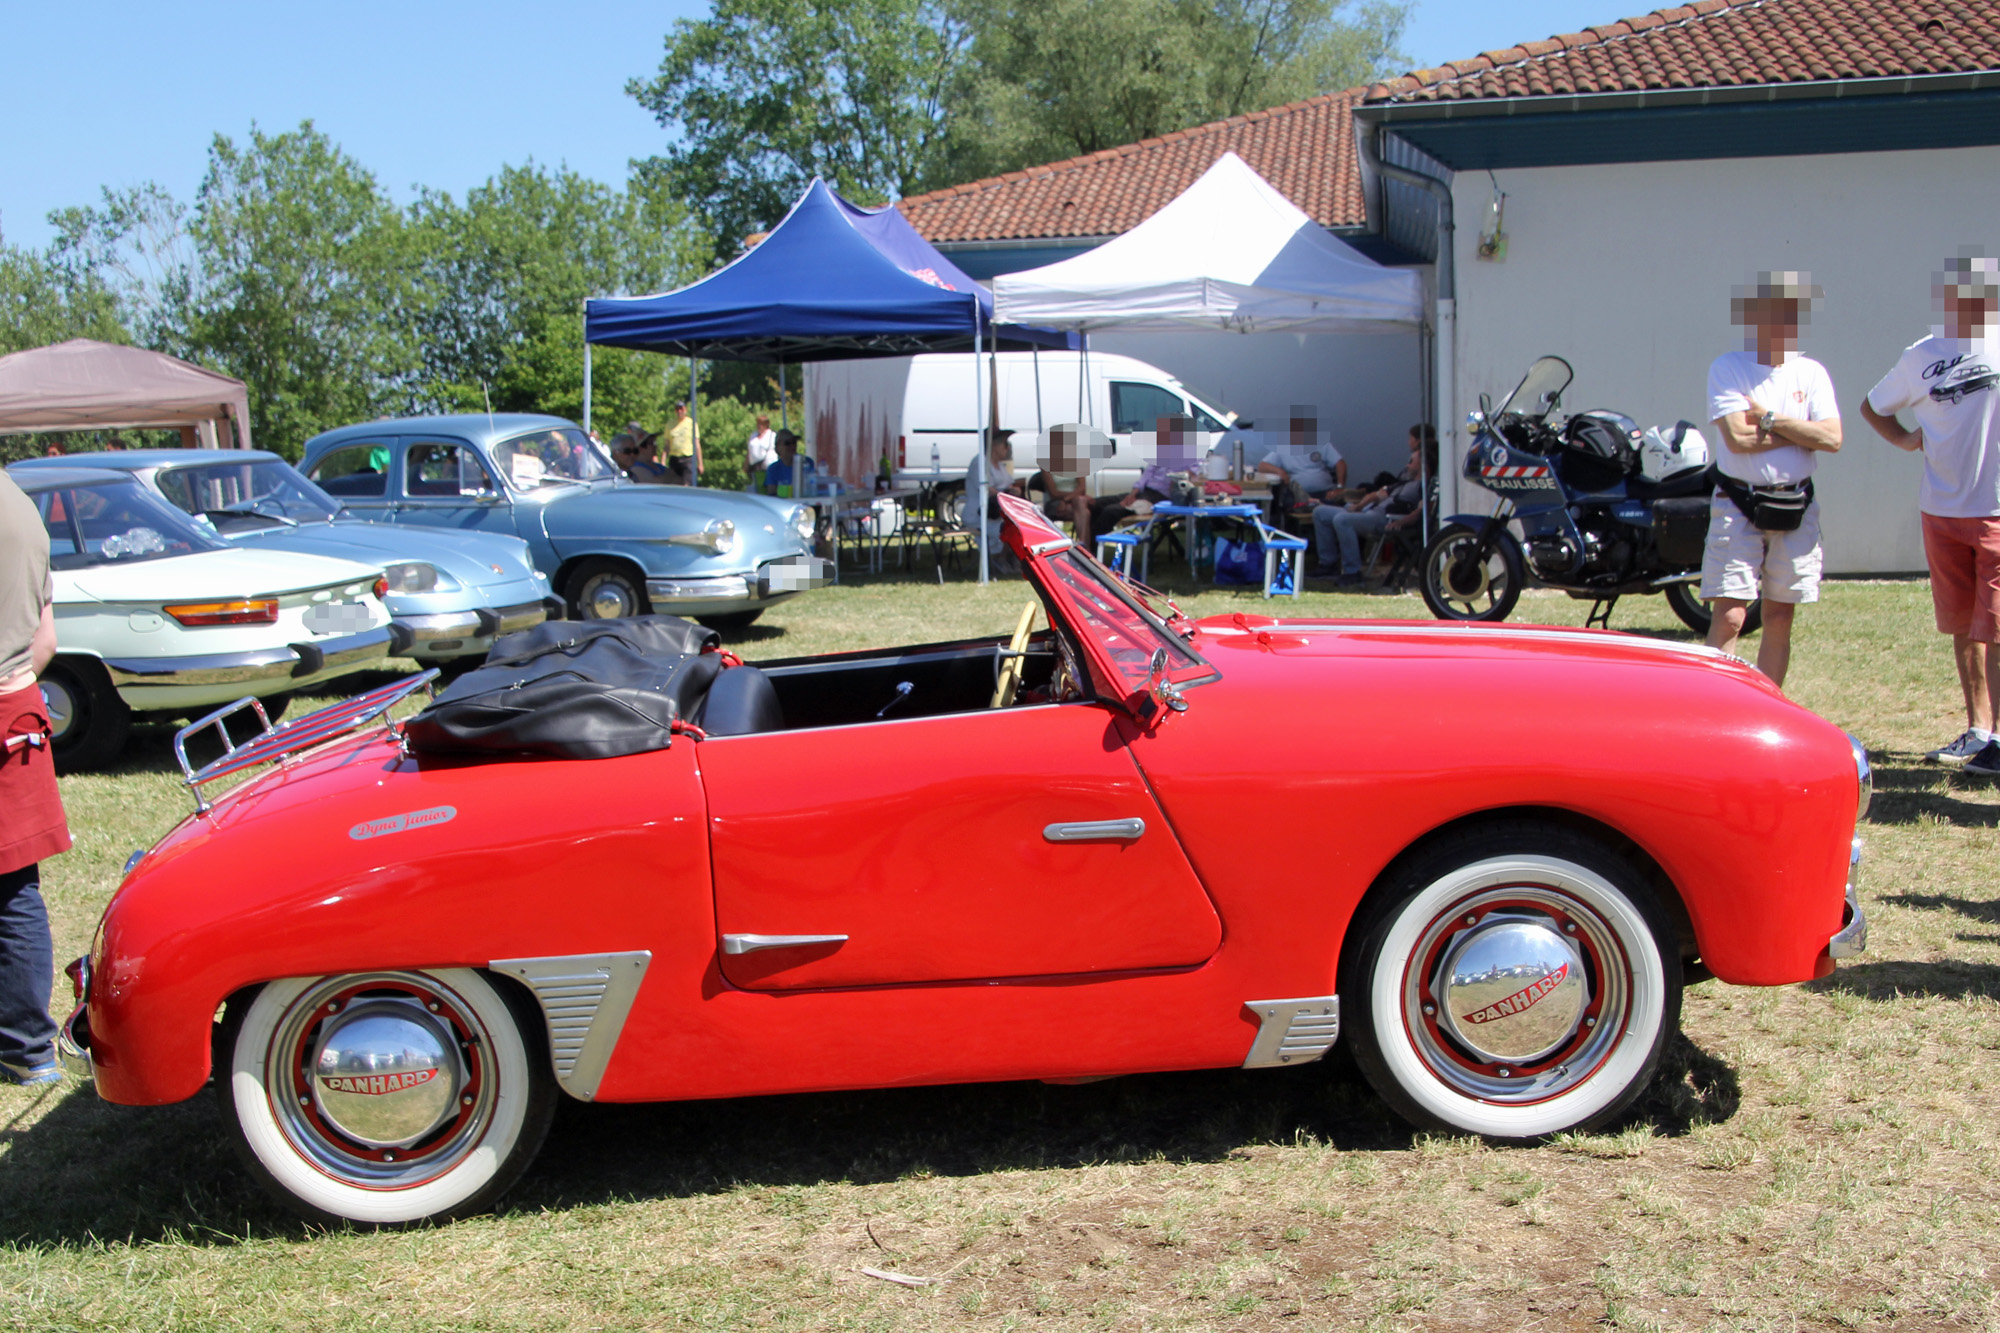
(1311, 756)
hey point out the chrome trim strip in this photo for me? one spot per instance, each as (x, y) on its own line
(443, 625)
(1293, 1032)
(1433, 629)
(585, 999)
(733, 585)
(1853, 937)
(735, 944)
(71, 1053)
(350, 649)
(204, 669)
(526, 615)
(1100, 830)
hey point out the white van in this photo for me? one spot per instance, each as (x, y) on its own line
(927, 408)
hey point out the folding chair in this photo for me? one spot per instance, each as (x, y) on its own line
(1284, 561)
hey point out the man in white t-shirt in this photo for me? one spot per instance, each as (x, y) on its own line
(1950, 383)
(1306, 461)
(1776, 412)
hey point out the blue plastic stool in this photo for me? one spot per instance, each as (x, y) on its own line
(1119, 555)
(1282, 575)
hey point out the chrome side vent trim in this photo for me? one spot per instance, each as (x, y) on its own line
(1097, 830)
(585, 999)
(1293, 1032)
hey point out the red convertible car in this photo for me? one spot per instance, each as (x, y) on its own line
(1121, 842)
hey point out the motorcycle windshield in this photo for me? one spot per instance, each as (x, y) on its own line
(1539, 389)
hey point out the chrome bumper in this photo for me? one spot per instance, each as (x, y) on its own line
(454, 627)
(72, 1050)
(257, 664)
(1853, 936)
(774, 578)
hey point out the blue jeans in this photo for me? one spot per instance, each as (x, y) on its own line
(1338, 524)
(27, 966)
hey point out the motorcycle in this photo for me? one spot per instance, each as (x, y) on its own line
(1604, 510)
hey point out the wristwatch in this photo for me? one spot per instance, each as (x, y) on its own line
(1764, 424)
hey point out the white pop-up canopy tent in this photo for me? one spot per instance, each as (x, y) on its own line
(1229, 252)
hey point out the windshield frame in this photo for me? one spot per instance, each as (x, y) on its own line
(178, 526)
(1545, 400)
(329, 508)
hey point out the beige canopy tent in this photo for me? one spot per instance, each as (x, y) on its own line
(86, 385)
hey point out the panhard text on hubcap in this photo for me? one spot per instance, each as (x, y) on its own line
(386, 1072)
(1513, 988)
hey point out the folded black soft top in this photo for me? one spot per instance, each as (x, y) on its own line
(574, 690)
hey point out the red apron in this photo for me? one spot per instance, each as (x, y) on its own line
(32, 827)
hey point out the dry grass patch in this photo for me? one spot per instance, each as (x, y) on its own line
(1821, 1156)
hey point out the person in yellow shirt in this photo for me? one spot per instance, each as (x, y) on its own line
(683, 448)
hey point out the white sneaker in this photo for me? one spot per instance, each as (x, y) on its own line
(1955, 754)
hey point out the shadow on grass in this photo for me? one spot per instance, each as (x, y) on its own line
(90, 1172)
(1985, 910)
(1947, 980)
(1904, 793)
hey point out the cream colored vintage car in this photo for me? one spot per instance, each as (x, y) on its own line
(154, 615)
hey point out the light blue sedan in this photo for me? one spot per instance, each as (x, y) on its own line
(611, 547)
(449, 594)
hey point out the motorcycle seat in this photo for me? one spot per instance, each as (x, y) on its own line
(1688, 481)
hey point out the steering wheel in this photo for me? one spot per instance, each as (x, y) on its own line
(1012, 656)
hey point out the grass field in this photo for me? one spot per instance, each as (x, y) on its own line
(1821, 1156)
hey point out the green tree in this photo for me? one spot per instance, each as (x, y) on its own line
(1059, 78)
(766, 94)
(303, 285)
(42, 302)
(504, 278)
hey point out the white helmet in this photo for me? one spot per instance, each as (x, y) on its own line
(1662, 454)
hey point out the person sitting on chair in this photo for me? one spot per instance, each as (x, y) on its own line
(1304, 468)
(789, 472)
(1387, 509)
(995, 469)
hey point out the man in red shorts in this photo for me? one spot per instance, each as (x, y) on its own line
(1948, 383)
(31, 814)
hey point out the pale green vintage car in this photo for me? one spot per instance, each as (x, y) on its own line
(609, 546)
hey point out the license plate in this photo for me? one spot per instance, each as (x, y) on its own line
(339, 618)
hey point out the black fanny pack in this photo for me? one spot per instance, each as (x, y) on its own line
(1769, 508)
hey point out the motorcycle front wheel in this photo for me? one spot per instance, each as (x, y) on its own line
(1697, 613)
(1461, 583)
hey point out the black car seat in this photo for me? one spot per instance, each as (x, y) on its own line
(741, 701)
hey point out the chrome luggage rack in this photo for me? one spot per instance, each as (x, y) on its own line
(287, 738)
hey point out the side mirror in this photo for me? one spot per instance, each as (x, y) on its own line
(1485, 405)
(1163, 692)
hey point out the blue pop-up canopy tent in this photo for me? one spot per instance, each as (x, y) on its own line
(831, 282)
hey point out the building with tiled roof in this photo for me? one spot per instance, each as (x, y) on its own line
(1305, 149)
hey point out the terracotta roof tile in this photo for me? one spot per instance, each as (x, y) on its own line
(1305, 149)
(1722, 44)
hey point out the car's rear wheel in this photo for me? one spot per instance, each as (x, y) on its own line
(385, 1097)
(88, 722)
(1697, 612)
(1512, 982)
(606, 590)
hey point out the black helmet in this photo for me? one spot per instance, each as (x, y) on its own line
(1603, 448)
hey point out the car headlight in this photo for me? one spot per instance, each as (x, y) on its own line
(1865, 773)
(717, 537)
(802, 522)
(408, 576)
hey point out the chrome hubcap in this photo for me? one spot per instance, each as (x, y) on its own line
(609, 602)
(381, 1080)
(386, 1073)
(1516, 994)
(62, 708)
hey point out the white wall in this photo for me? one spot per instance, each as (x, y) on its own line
(1625, 271)
(1364, 385)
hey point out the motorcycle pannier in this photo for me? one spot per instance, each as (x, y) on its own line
(1680, 528)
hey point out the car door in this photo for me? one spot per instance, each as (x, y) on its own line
(356, 473)
(444, 483)
(1004, 843)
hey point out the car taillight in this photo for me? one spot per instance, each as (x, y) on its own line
(249, 611)
(382, 587)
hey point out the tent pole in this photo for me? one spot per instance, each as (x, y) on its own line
(1036, 353)
(694, 417)
(586, 388)
(979, 501)
(784, 404)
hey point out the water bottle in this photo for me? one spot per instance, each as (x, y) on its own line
(934, 460)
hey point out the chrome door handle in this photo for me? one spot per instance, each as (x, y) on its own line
(1101, 830)
(752, 943)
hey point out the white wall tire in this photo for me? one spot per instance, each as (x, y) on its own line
(498, 1109)
(1610, 1008)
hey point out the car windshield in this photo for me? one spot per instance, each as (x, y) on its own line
(1540, 389)
(552, 458)
(245, 496)
(1105, 611)
(115, 523)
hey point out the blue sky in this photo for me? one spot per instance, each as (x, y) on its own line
(432, 92)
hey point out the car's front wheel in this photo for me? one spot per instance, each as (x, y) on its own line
(1512, 982)
(606, 590)
(385, 1097)
(88, 722)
